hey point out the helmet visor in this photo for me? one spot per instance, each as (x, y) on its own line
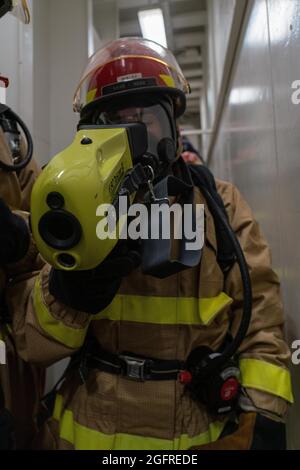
(134, 60)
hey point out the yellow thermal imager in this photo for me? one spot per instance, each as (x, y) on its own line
(65, 197)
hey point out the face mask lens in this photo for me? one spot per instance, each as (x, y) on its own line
(126, 116)
(154, 117)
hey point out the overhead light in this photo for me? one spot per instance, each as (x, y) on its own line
(153, 25)
(245, 95)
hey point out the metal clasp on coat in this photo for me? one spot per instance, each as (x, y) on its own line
(135, 368)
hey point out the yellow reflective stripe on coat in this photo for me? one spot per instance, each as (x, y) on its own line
(68, 336)
(164, 310)
(84, 438)
(267, 377)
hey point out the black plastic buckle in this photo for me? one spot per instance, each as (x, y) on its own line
(135, 367)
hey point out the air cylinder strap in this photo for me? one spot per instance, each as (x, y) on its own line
(157, 259)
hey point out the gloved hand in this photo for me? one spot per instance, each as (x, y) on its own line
(14, 236)
(92, 291)
(254, 432)
(268, 434)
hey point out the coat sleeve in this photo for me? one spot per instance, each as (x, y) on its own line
(264, 354)
(48, 330)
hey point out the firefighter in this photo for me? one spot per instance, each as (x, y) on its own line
(136, 340)
(21, 384)
(17, 255)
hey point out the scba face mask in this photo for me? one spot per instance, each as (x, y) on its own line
(18, 8)
(157, 115)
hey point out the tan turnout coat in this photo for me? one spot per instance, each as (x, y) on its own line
(164, 319)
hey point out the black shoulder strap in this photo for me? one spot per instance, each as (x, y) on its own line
(203, 178)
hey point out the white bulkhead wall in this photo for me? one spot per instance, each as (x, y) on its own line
(257, 147)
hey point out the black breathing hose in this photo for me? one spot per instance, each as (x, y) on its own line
(19, 166)
(232, 348)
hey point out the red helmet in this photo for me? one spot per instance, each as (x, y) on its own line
(131, 65)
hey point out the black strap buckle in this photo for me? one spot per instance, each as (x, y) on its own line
(135, 367)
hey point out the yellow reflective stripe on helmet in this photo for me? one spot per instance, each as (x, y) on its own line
(84, 438)
(169, 80)
(71, 337)
(91, 95)
(267, 377)
(164, 310)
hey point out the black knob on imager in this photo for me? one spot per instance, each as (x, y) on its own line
(86, 141)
